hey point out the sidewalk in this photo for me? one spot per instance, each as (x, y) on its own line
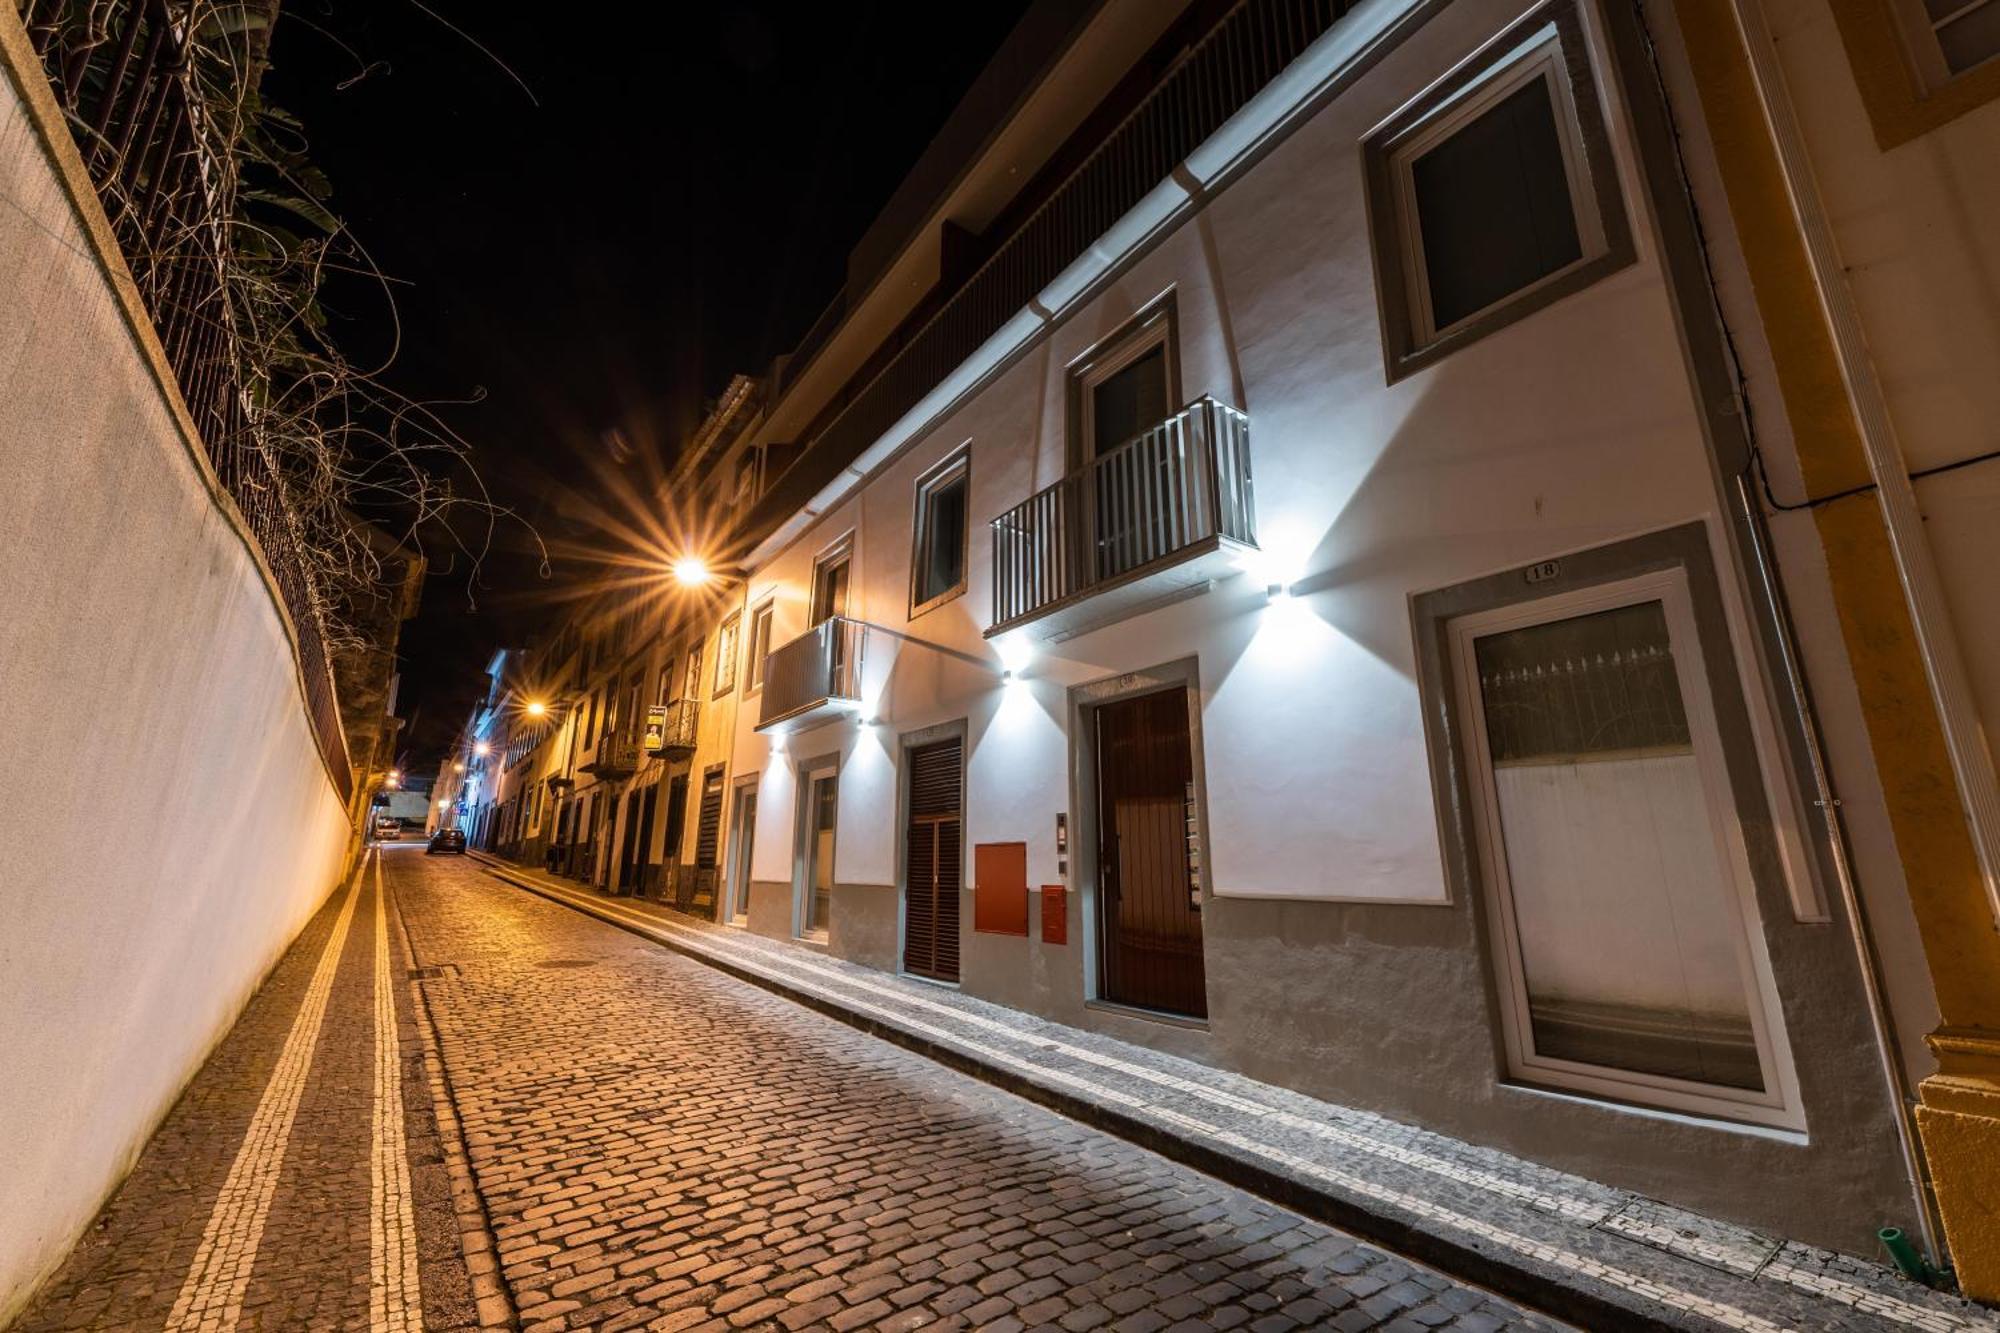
(1603, 1257)
(302, 1181)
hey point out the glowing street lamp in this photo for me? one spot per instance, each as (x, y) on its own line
(691, 571)
(536, 708)
(460, 768)
(482, 749)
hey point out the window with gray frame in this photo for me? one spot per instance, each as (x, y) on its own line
(1494, 194)
(1602, 792)
(937, 560)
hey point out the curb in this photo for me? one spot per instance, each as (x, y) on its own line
(1497, 1270)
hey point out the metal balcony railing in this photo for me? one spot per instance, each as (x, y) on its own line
(1249, 46)
(615, 756)
(813, 676)
(676, 738)
(1181, 489)
(121, 71)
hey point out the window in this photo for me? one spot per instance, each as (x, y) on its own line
(1623, 919)
(691, 682)
(590, 724)
(760, 648)
(1920, 64)
(937, 562)
(708, 823)
(725, 655)
(666, 685)
(1947, 38)
(1494, 194)
(1126, 385)
(830, 578)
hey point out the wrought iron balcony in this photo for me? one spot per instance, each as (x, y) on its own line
(676, 736)
(1163, 512)
(615, 757)
(815, 677)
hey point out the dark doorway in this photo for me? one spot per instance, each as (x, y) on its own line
(637, 855)
(1148, 894)
(628, 814)
(670, 853)
(932, 861)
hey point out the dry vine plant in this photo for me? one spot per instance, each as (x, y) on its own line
(230, 235)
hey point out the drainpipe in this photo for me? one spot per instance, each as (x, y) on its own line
(1782, 646)
(1916, 1167)
(1937, 641)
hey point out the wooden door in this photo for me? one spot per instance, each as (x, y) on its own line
(743, 842)
(933, 845)
(1148, 891)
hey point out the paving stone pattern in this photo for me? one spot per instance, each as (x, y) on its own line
(659, 1145)
(1608, 1257)
(311, 1264)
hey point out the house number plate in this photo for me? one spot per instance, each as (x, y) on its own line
(1544, 571)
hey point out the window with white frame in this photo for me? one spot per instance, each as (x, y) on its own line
(725, 655)
(1495, 193)
(1947, 38)
(1624, 928)
(759, 649)
(832, 573)
(938, 554)
(1126, 385)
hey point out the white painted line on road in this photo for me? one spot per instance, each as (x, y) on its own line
(395, 1301)
(1541, 1251)
(211, 1299)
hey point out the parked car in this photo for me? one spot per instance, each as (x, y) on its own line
(446, 840)
(388, 828)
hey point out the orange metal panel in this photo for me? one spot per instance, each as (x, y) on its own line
(1055, 914)
(1000, 888)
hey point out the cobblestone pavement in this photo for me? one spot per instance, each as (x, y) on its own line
(662, 1146)
(656, 1145)
(251, 1206)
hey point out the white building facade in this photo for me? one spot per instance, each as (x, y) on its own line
(1331, 631)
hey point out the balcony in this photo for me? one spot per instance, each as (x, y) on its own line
(814, 678)
(675, 738)
(615, 757)
(1160, 514)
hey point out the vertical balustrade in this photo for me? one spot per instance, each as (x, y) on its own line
(1181, 483)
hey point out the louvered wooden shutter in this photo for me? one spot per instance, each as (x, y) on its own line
(933, 840)
(710, 824)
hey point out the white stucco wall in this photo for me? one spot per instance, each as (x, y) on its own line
(168, 825)
(1338, 960)
(1915, 230)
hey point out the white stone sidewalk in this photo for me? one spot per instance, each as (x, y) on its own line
(1603, 1257)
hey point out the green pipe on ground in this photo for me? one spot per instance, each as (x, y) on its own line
(1909, 1262)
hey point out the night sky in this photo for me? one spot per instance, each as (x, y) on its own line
(668, 201)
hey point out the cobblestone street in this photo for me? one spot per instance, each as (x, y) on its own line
(658, 1145)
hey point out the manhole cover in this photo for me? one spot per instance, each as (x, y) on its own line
(567, 962)
(434, 972)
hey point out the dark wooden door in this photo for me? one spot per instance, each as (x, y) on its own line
(933, 848)
(638, 879)
(1148, 893)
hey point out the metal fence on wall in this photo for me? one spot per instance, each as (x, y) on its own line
(121, 73)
